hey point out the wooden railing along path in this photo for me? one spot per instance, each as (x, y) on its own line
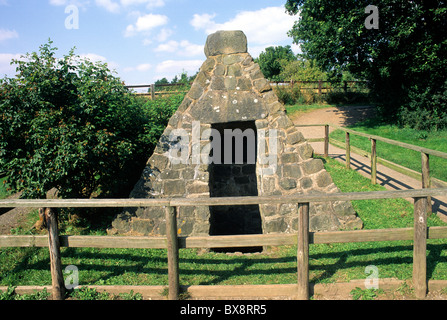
(426, 180)
(419, 233)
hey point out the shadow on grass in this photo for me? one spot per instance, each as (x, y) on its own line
(150, 266)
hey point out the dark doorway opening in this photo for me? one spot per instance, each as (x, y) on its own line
(233, 174)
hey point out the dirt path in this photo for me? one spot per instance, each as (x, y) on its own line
(344, 116)
(12, 218)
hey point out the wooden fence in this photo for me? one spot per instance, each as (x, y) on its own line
(419, 233)
(320, 87)
(426, 180)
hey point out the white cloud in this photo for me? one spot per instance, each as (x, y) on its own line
(8, 34)
(183, 48)
(109, 5)
(93, 57)
(79, 3)
(177, 66)
(264, 26)
(5, 64)
(146, 23)
(150, 4)
(141, 68)
(164, 34)
(114, 6)
(58, 2)
(203, 21)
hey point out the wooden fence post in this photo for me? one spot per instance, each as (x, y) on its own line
(420, 248)
(173, 253)
(348, 150)
(373, 161)
(426, 178)
(320, 87)
(57, 277)
(303, 251)
(153, 91)
(326, 141)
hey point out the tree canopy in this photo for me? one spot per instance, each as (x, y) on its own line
(70, 124)
(404, 60)
(273, 60)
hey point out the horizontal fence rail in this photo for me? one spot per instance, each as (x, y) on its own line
(221, 201)
(424, 175)
(419, 234)
(321, 86)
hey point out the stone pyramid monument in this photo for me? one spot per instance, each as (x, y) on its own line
(232, 137)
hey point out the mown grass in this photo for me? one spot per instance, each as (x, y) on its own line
(3, 192)
(435, 140)
(293, 110)
(328, 262)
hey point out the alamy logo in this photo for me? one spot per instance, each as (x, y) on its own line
(234, 146)
(72, 20)
(372, 21)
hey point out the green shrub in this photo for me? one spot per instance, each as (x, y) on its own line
(70, 124)
(427, 110)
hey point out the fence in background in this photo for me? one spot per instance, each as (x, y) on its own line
(320, 87)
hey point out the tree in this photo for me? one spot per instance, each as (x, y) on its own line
(404, 58)
(302, 70)
(70, 124)
(272, 61)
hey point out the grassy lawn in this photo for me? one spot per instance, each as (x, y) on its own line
(296, 109)
(407, 158)
(3, 192)
(328, 263)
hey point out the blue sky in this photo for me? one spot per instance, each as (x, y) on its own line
(143, 40)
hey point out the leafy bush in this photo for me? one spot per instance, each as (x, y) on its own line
(426, 110)
(70, 124)
(341, 97)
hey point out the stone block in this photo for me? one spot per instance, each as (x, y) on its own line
(292, 171)
(276, 226)
(234, 71)
(243, 84)
(313, 166)
(232, 59)
(197, 187)
(306, 151)
(123, 222)
(208, 65)
(287, 184)
(202, 213)
(225, 42)
(262, 85)
(289, 158)
(323, 222)
(196, 91)
(174, 187)
(170, 174)
(144, 227)
(151, 213)
(324, 179)
(295, 138)
(306, 183)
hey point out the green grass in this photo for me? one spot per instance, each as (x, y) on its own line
(3, 192)
(328, 262)
(407, 158)
(303, 108)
